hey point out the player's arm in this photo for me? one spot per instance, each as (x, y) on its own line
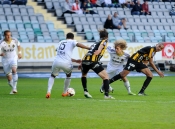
(1, 53)
(19, 49)
(82, 46)
(99, 49)
(19, 52)
(154, 67)
(76, 61)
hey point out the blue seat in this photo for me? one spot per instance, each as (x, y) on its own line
(50, 26)
(40, 39)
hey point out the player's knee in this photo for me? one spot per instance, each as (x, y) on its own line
(68, 75)
(151, 75)
(8, 74)
(53, 76)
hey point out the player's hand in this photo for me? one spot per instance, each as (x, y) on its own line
(2, 54)
(161, 74)
(97, 52)
(19, 56)
(78, 61)
(79, 67)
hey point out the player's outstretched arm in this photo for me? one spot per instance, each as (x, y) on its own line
(76, 61)
(82, 46)
(99, 49)
(154, 67)
(19, 52)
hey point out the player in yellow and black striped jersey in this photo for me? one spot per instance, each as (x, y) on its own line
(91, 61)
(91, 56)
(135, 62)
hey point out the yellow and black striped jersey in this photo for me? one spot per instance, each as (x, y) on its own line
(90, 56)
(144, 54)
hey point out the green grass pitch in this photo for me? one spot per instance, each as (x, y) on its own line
(29, 109)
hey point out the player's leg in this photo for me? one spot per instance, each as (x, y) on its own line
(14, 66)
(67, 68)
(127, 85)
(129, 67)
(8, 71)
(14, 78)
(110, 75)
(103, 74)
(55, 71)
(66, 84)
(149, 76)
(84, 70)
(124, 73)
(98, 69)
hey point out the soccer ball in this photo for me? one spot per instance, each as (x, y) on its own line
(71, 92)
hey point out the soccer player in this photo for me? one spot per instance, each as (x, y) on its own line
(63, 61)
(10, 58)
(117, 59)
(91, 61)
(135, 62)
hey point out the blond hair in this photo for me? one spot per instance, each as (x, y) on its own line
(120, 43)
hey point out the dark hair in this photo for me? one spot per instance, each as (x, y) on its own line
(6, 31)
(70, 36)
(103, 34)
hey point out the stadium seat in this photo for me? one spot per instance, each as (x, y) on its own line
(49, 5)
(79, 28)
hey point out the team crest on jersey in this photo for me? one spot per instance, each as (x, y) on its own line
(13, 46)
(122, 59)
(9, 45)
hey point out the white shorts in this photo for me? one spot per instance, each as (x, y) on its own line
(114, 72)
(57, 66)
(8, 65)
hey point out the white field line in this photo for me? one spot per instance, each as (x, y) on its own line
(101, 100)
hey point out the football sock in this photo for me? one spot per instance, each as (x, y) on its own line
(10, 83)
(115, 78)
(66, 83)
(106, 86)
(145, 84)
(50, 84)
(15, 80)
(127, 85)
(84, 83)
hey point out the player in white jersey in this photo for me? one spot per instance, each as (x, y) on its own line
(117, 59)
(9, 59)
(63, 61)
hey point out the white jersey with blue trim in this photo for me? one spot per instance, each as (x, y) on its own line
(116, 61)
(64, 50)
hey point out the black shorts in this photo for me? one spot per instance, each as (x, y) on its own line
(96, 67)
(134, 65)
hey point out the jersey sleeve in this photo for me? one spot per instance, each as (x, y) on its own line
(103, 43)
(17, 42)
(127, 55)
(110, 50)
(75, 43)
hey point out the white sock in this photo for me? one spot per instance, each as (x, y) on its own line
(66, 84)
(50, 84)
(127, 85)
(15, 80)
(10, 83)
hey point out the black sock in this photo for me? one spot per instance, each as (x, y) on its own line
(84, 83)
(145, 84)
(115, 78)
(106, 86)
